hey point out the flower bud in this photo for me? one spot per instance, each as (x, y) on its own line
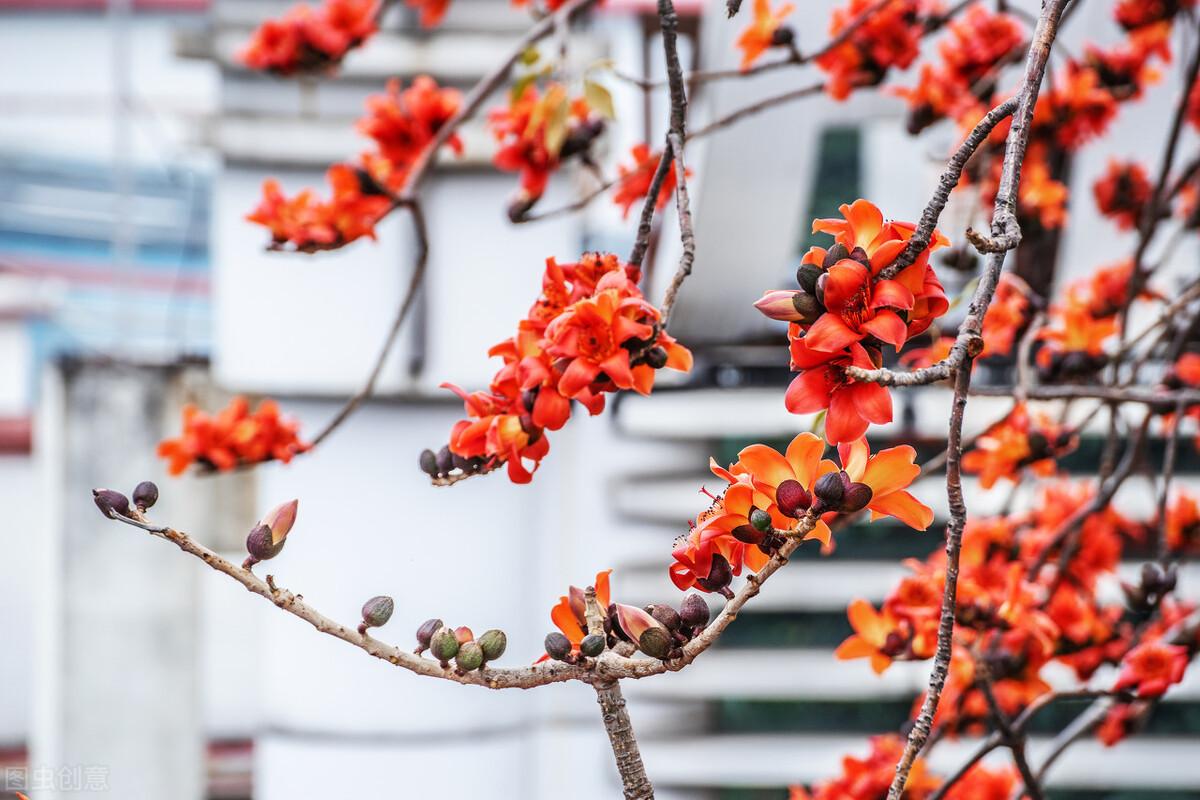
(494, 643)
(835, 254)
(719, 575)
(444, 645)
(860, 255)
(693, 611)
(792, 498)
(425, 633)
(760, 519)
(280, 520)
(634, 621)
(592, 645)
(748, 534)
(145, 495)
(656, 357)
(655, 642)
(377, 611)
(807, 307)
(782, 37)
(830, 489)
(469, 656)
(558, 646)
(463, 634)
(428, 462)
(856, 497)
(445, 460)
(261, 545)
(779, 304)
(665, 614)
(111, 504)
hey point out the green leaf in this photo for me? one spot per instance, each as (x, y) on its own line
(818, 424)
(530, 56)
(520, 84)
(599, 99)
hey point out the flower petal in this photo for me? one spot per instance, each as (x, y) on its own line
(904, 507)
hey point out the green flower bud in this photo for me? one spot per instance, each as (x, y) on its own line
(444, 645)
(655, 642)
(760, 519)
(592, 645)
(494, 643)
(469, 656)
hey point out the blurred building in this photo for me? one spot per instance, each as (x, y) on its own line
(132, 145)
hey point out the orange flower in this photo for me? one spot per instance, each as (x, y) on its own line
(304, 39)
(570, 614)
(1005, 317)
(1040, 195)
(822, 383)
(1183, 523)
(633, 183)
(1016, 442)
(984, 783)
(404, 122)
(881, 637)
(308, 224)
(431, 11)
(761, 33)
(1074, 340)
(889, 37)
(888, 474)
(869, 778)
(1151, 668)
(1075, 110)
(536, 131)
(1122, 192)
(232, 437)
(496, 433)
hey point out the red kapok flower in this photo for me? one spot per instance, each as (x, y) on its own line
(233, 436)
(889, 37)
(760, 34)
(633, 183)
(1151, 668)
(570, 614)
(1122, 193)
(1016, 442)
(822, 383)
(404, 122)
(304, 39)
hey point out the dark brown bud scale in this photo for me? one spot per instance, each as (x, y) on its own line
(558, 646)
(110, 503)
(792, 499)
(656, 642)
(693, 611)
(260, 544)
(425, 633)
(145, 495)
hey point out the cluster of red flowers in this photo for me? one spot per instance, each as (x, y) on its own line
(233, 437)
(889, 37)
(1073, 342)
(1004, 319)
(403, 124)
(1017, 442)
(769, 492)
(633, 183)
(305, 39)
(870, 777)
(964, 82)
(1122, 193)
(590, 332)
(844, 312)
(536, 132)
(764, 31)
(1026, 598)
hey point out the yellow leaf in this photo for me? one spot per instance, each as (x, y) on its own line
(599, 99)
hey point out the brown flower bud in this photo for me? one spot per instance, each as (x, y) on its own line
(792, 498)
(111, 504)
(719, 575)
(830, 489)
(428, 462)
(145, 495)
(445, 460)
(807, 307)
(261, 545)
(558, 646)
(807, 276)
(835, 254)
(425, 633)
(656, 357)
(693, 611)
(748, 534)
(856, 497)
(664, 614)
